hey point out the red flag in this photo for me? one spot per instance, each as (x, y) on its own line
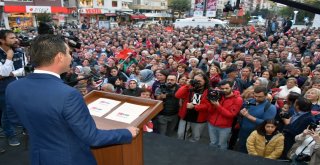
(124, 54)
(252, 29)
(148, 43)
(169, 29)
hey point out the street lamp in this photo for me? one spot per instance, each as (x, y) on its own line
(295, 16)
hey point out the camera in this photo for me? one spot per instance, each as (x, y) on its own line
(284, 115)
(163, 88)
(166, 89)
(194, 83)
(247, 104)
(28, 69)
(24, 40)
(214, 95)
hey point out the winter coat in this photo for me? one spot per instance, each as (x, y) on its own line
(223, 115)
(202, 108)
(256, 145)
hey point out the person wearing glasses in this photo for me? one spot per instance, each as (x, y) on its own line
(255, 111)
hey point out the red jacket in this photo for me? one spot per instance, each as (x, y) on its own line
(222, 116)
(184, 94)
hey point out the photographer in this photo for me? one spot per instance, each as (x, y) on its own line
(221, 114)
(194, 109)
(167, 119)
(255, 111)
(11, 67)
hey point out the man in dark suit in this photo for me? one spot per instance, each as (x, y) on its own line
(60, 127)
(298, 122)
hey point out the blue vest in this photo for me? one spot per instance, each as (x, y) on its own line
(17, 63)
(17, 58)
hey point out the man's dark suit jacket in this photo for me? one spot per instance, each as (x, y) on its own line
(58, 121)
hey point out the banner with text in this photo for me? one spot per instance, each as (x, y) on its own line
(198, 8)
(211, 8)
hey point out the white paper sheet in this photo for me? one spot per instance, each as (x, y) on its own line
(102, 106)
(127, 112)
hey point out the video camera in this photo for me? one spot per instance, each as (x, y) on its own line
(165, 89)
(24, 40)
(214, 95)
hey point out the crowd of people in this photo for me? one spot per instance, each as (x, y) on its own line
(256, 92)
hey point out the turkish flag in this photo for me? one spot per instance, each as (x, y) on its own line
(252, 29)
(148, 43)
(169, 29)
(124, 54)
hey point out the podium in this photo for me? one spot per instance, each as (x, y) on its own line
(125, 154)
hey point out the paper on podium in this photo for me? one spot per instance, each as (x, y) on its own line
(127, 112)
(102, 106)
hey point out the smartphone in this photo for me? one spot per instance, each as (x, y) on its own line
(313, 126)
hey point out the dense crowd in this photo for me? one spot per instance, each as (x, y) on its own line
(257, 90)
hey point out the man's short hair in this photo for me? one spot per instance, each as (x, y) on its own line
(303, 104)
(44, 49)
(225, 82)
(4, 34)
(260, 89)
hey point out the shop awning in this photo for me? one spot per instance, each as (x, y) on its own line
(142, 16)
(35, 9)
(138, 16)
(134, 16)
(110, 14)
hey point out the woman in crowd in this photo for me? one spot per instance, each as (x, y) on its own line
(306, 150)
(194, 107)
(291, 85)
(214, 76)
(268, 75)
(266, 141)
(183, 80)
(115, 74)
(313, 95)
(227, 63)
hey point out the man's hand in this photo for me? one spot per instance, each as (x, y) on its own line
(190, 106)
(315, 135)
(134, 131)
(215, 103)
(163, 96)
(244, 112)
(10, 54)
(306, 132)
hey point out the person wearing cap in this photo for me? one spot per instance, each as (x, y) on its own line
(132, 89)
(232, 73)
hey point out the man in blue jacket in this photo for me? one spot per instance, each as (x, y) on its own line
(55, 115)
(255, 112)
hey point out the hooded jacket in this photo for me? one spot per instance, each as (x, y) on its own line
(222, 115)
(202, 108)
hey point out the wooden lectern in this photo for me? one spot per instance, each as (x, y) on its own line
(126, 154)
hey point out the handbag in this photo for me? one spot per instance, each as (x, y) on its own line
(192, 114)
(301, 157)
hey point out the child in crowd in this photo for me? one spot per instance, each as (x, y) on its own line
(146, 93)
(266, 141)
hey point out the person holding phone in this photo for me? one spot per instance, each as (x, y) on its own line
(307, 146)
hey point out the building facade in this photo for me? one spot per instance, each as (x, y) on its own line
(23, 13)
